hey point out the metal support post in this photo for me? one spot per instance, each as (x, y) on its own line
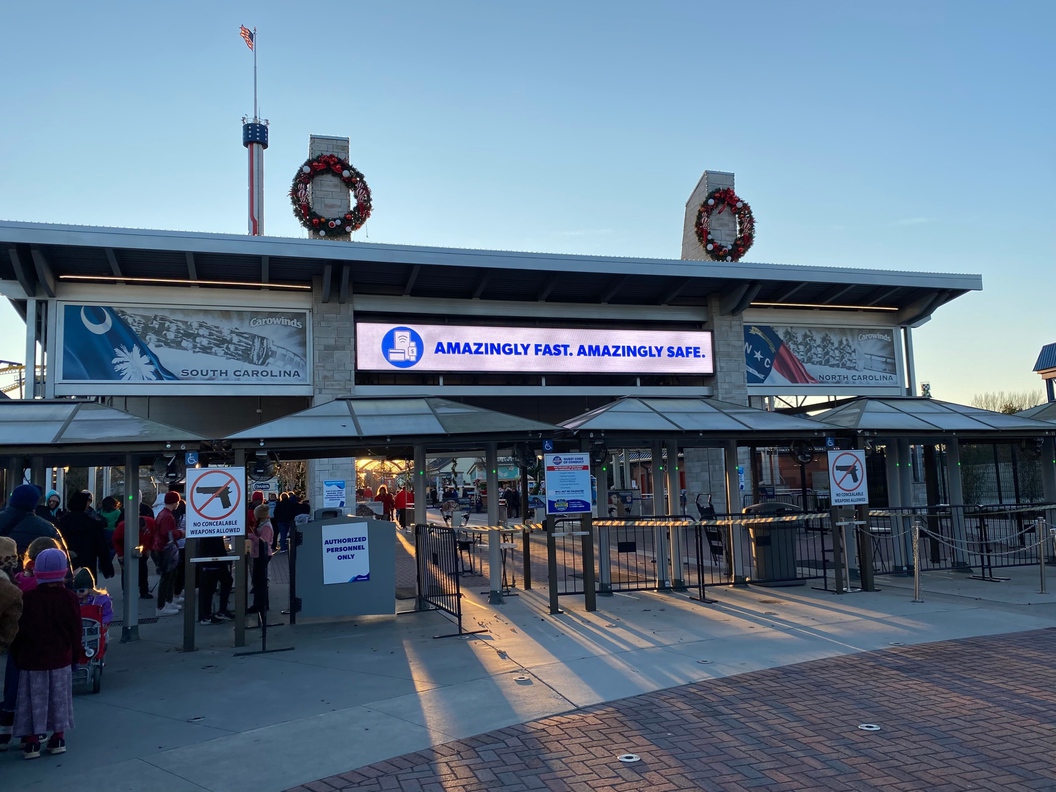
(590, 599)
(239, 550)
(190, 591)
(130, 609)
(916, 561)
(1039, 524)
(551, 562)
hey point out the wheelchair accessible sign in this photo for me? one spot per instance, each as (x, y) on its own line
(847, 483)
(567, 480)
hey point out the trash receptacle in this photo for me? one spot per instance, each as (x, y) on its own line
(773, 546)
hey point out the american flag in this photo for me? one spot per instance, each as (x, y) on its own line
(247, 35)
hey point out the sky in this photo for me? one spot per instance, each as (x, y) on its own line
(905, 135)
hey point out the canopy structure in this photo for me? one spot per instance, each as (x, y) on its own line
(66, 428)
(378, 423)
(708, 419)
(1043, 412)
(917, 417)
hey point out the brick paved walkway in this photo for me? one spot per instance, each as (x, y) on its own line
(970, 714)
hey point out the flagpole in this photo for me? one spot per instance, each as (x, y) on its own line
(255, 44)
(255, 139)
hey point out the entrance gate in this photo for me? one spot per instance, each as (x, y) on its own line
(436, 549)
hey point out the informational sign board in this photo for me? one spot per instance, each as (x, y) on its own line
(169, 349)
(346, 553)
(847, 481)
(567, 483)
(216, 502)
(334, 494)
(558, 350)
(815, 358)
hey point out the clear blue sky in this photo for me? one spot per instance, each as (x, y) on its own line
(904, 135)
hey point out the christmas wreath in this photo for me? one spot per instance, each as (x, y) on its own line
(719, 201)
(342, 224)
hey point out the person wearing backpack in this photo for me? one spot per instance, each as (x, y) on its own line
(166, 553)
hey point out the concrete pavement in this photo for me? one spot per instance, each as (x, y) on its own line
(356, 693)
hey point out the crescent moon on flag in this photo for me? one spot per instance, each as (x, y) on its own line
(99, 329)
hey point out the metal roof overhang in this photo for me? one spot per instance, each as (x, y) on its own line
(917, 418)
(388, 427)
(691, 421)
(67, 430)
(37, 255)
(1043, 412)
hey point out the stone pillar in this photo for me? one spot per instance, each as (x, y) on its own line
(723, 226)
(329, 195)
(333, 334)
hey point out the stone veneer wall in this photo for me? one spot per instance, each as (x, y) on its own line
(330, 196)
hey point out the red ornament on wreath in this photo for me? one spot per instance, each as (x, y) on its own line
(717, 202)
(330, 163)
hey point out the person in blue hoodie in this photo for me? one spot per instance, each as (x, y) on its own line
(51, 510)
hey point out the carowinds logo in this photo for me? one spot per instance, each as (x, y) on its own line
(402, 347)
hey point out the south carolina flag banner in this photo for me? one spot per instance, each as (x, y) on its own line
(100, 346)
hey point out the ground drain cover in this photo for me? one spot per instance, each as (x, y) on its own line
(868, 727)
(628, 758)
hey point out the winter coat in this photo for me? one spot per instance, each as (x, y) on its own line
(10, 611)
(24, 527)
(86, 540)
(49, 632)
(164, 524)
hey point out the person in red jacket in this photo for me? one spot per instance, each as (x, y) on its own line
(404, 500)
(45, 650)
(166, 532)
(146, 544)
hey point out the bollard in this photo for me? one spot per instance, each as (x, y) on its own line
(916, 561)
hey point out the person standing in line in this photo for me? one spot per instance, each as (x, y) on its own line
(140, 552)
(85, 537)
(260, 550)
(210, 574)
(180, 515)
(110, 511)
(404, 500)
(19, 521)
(10, 611)
(51, 510)
(282, 520)
(47, 646)
(388, 503)
(165, 531)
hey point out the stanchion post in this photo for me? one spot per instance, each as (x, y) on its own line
(526, 553)
(1039, 525)
(916, 561)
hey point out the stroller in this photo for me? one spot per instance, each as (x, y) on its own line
(89, 671)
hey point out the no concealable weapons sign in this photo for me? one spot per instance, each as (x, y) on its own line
(216, 502)
(847, 484)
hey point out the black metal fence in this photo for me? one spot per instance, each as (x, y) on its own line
(960, 537)
(635, 554)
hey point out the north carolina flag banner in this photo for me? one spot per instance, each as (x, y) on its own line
(247, 36)
(765, 352)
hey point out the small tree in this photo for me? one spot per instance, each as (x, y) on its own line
(1008, 403)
